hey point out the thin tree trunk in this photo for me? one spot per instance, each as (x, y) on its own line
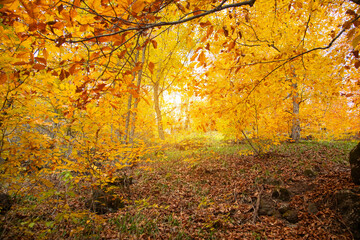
(158, 111)
(187, 114)
(295, 129)
(138, 84)
(128, 115)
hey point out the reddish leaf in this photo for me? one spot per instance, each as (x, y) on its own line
(205, 24)
(100, 87)
(39, 67)
(196, 11)
(226, 32)
(357, 64)
(19, 63)
(72, 69)
(154, 43)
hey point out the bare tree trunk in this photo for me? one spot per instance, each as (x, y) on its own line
(138, 84)
(128, 115)
(158, 111)
(187, 114)
(295, 129)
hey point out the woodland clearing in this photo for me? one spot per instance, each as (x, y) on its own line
(207, 193)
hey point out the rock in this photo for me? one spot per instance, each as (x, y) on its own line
(291, 216)
(309, 173)
(355, 164)
(272, 181)
(284, 208)
(312, 208)
(347, 202)
(267, 207)
(283, 194)
(5, 203)
(103, 202)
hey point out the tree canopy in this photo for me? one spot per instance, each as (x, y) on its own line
(90, 87)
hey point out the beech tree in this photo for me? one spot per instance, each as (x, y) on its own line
(75, 76)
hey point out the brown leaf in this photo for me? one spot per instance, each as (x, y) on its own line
(350, 12)
(226, 32)
(41, 60)
(347, 25)
(356, 53)
(181, 7)
(357, 64)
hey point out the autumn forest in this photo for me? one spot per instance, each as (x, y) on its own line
(179, 119)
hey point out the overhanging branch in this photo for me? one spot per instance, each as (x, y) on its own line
(142, 27)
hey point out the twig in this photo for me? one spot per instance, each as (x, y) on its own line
(249, 141)
(347, 228)
(257, 204)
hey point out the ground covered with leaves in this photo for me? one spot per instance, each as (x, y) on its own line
(208, 192)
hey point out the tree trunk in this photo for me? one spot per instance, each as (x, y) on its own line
(187, 114)
(295, 129)
(138, 85)
(158, 111)
(128, 115)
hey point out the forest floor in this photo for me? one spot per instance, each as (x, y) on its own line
(212, 192)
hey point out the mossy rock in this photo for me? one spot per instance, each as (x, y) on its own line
(291, 216)
(309, 173)
(312, 208)
(282, 194)
(5, 203)
(103, 202)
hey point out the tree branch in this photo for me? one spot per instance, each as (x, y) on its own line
(142, 27)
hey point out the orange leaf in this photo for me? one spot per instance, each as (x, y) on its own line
(72, 69)
(137, 7)
(202, 58)
(154, 43)
(39, 67)
(137, 68)
(193, 57)
(19, 63)
(77, 3)
(115, 107)
(3, 78)
(197, 11)
(205, 24)
(151, 67)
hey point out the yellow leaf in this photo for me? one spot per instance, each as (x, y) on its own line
(356, 41)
